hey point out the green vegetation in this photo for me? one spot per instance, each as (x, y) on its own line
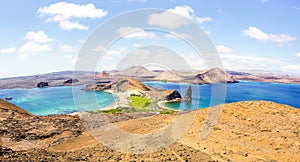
(110, 111)
(166, 111)
(139, 103)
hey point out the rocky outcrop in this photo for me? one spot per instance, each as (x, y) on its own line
(172, 95)
(42, 84)
(119, 85)
(214, 75)
(103, 75)
(19, 128)
(188, 95)
(71, 81)
(10, 110)
(132, 86)
(8, 98)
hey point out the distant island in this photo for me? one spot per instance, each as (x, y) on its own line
(66, 78)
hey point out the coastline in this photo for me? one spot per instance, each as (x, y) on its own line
(121, 100)
(16, 83)
(161, 104)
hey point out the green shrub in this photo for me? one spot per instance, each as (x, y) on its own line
(110, 111)
(139, 102)
(166, 111)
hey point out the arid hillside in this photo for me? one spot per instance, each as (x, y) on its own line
(246, 131)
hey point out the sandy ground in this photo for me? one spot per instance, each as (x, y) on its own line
(247, 131)
(121, 100)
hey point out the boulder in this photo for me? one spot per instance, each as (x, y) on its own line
(8, 98)
(42, 84)
(71, 81)
(172, 95)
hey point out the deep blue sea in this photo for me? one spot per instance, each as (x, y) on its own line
(244, 91)
(57, 100)
(60, 100)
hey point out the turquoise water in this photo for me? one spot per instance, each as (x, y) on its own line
(60, 100)
(57, 100)
(244, 91)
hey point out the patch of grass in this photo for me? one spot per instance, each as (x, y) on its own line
(139, 102)
(166, 111)
(110, 111)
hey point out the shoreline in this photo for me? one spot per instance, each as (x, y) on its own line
(122, 100)
(30, 86)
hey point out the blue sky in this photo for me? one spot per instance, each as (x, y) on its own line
(256, 35)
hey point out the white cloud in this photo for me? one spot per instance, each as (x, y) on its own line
(298, 54)
(185, 11)
(114, 52)
(111, 58)
(23, 55)
(175, 35)
(207, 32)
(134, 32)
(256, 33)
(8, 50)
(99, 49)
(117, 52)
(223, 49)
(249, 63)
(68, 25)
(203, 19)
(170, 20)
(264, 1)
(66, 48)
(67, 14)
(37, 42)
(34, 48)
(38, 37)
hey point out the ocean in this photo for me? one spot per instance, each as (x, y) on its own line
(60, 100)
(243, 91)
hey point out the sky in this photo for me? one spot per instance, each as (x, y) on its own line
(47, 36)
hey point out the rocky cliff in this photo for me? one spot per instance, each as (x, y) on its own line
(134, 87)
(188, 95)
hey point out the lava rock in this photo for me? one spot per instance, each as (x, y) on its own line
(71, 81)
(188, 95)
(42, 84)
